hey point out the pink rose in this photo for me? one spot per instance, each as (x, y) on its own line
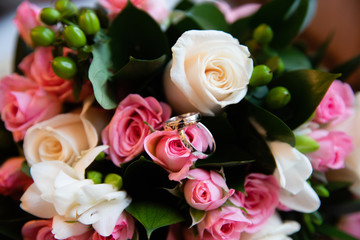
(23, 103)
(127, 129)
(350, 224)
(335, 146)
(155, 8)
(260, 200)
(12, 180)
(242, 11)
(336, 105)
(37, 66)
(27, 17)
(165, 148)
(205, 190)
(124, 229)
(223, 223)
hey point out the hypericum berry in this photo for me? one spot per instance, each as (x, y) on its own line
(49, 16)
(95, 176)
(89, 22)
(260, 76)
(42, 36)
(66, 7)
(277, 97)
(64, 67)
(276, 64)
(74, 36)
(263, 34)
(114, 179)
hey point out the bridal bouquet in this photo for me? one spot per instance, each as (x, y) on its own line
(144, 120)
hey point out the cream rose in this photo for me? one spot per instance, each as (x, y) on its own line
(209, 71)
(62, 137)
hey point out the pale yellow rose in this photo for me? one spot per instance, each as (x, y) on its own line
(62, 137)
(209, 70)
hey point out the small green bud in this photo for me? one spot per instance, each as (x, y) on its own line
(42, 36)
(100, 156)
(276, 64)
(321, 191)
(260, 76)
(263, 34)
(306, 144)
(74, 36)
(89, 22)
(64, 67)
(114, 179)
(49, 16)
(277, 97)
(66, 7)
(95, 176)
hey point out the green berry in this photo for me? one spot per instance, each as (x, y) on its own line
(95, 176)
(42, 36)
(260, 76)
(263, 34)
(66, 7)
(100, 156)
(252, 45)
(64, 67)
(89, 22)
(49, 16)
(277, 97)
(74, 36)
(114, 179)
(305, 144)
(276, 65)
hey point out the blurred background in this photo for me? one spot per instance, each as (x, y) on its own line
(340, 18)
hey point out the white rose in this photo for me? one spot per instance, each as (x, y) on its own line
(62, 137)
(209, 71)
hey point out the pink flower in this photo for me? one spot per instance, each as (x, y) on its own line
(350, 224)
(335, 146)
(242, 11)
(156, 8)
(127, 129)
(165, 148)
(260, 199)
(12, 180)
(336, 105)
(27, 17)
(223, 223)
(37, 66)
(23, 103)
(206, 190)
(124, 229)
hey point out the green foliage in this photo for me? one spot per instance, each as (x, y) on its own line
(348, 67)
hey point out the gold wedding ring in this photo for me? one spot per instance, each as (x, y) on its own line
(181, 122)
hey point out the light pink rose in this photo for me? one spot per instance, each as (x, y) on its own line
(260, 200)
(335, 146)
(37, 66)
(13, 181)
(124, 229)
(206, 190)
(350, 224)
(155, 8)
(23, 103)
(165, 148)
(127, 130)
(27, 17)
(336, 105)
(242, 11)
(223, 223)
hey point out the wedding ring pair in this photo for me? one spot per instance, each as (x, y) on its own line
(181, 122)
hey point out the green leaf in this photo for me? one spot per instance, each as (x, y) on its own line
(348, 67)
(196, 216)
(134, 33)
(333, 232)
(235, 177)
(294, 59)
(307, 88)
(317, 57)
(153, 215)
(99, 76)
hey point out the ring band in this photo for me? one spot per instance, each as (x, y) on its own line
(181, 121)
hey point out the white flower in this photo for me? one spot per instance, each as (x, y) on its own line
(62, 192)
(209, 71)
(273, 229)
(292, 170)
(62, 137)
